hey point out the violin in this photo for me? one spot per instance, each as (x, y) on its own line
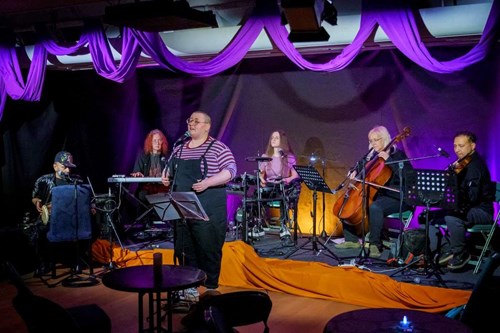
(460, 164)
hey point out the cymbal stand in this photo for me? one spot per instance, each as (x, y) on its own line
(244, 222)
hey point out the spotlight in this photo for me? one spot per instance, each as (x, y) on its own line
(304, 18)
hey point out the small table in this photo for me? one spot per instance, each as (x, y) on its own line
(140, 279)
(385, 320)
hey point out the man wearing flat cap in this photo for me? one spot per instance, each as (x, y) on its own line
(41, 198)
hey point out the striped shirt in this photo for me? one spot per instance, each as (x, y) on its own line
(219, 157)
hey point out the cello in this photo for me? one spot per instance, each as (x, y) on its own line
(348, 208)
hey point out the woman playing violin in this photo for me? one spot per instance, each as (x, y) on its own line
(385, 201)
(476, 196)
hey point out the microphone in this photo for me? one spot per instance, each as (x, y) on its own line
(442, 152)
(67, 177)
(182, 138)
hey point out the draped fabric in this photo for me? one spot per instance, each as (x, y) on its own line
(243, 268)
(395, 17)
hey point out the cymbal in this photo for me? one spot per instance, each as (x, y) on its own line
(258, 159)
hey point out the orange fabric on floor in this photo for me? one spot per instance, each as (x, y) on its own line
(243, 268)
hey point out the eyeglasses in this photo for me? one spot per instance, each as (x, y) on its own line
(374, 140)
(194, 121)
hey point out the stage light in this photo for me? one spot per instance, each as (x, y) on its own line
(304, 18)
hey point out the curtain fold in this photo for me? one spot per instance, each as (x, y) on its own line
(395, 17)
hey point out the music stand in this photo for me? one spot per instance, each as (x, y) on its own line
(177, 206)
(315, 183)
(431, 188)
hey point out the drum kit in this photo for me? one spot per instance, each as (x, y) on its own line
(251, 216)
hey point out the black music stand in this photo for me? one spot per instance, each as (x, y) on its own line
(177, 206)
(315, 183)
(431, 188)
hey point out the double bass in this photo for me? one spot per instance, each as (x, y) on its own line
(348, 208)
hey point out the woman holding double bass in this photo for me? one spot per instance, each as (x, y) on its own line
(382, 186)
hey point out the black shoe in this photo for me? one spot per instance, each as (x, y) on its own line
(445, 258)
(459, 261)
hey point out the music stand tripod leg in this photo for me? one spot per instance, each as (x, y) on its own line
(314, 239)
(434, 270)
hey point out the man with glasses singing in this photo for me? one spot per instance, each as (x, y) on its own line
(204, 165)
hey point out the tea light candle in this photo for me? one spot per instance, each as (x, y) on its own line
(405, 325)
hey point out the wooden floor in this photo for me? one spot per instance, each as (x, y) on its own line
(289, 313)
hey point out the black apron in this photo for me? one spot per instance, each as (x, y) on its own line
(200, 244)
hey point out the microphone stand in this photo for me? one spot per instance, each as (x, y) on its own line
(172, 184)
(323, 232)
(363, 253)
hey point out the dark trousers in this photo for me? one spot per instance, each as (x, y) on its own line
(378, 210)
(199, 243)
(457, 225)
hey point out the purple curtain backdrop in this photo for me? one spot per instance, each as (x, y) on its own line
(395, 17)
(103, 122)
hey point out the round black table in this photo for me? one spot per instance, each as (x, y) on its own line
(385, 320)
(141, 279)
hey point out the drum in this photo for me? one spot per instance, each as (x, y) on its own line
(248, 178)
(271, 191)
(234, 189)
(252, 215)
(45, 215)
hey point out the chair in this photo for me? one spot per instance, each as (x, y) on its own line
(69, 225)
(223, 312)
(216, 320)
(479, 313)
(485, 230)
(42, 315)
